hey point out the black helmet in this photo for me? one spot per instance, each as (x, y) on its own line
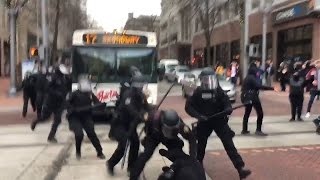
(138, 82)
(170, 123)
(208, 79)
(253, 69)
(134, 71)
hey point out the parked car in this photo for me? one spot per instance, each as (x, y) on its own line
(168, 65)
(178, 73)
(190, 82)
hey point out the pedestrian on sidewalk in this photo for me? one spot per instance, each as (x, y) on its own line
(206, 101)
(283, 76)
(250, 92)
(313, 76)
(54, 101)
(163, 127)
(269, 73)
(79, 107)
(296, 95)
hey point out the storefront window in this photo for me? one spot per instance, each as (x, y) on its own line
(290, 35)
(307, 32)
(299, 33)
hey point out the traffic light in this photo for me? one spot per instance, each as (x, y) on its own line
(34, 52)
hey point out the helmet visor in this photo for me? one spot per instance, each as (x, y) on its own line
(170, 131)
(209, 82)
(84, 85)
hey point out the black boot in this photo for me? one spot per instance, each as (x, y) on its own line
(110, 168)
(244, 173)
(52, 140)
(33, 125)
(100, 155)
(78, 155)
(245, 132)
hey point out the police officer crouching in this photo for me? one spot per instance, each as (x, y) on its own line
(163, 127)
(79, 107)
(207, 100)
(132, 106)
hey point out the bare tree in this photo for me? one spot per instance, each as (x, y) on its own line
(56, 31)
(208, 12)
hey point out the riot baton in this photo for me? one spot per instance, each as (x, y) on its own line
(234, 108)
(125, 154)
(164, 97)
(157, 107)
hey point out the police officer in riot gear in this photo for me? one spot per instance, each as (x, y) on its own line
(80, 116)
(206, 101)
(130, 113)
(54, 101)
(29, 92)
(41, 88)
(163, 127)
(250, 92)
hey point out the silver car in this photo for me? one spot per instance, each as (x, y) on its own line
(190, 82)
(178, 73)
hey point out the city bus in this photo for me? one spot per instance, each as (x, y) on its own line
(107, 57)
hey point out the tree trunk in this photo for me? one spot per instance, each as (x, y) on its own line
(208, 54)
(55, 35)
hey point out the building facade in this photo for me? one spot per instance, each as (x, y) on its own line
(293, 31)
(175, 30)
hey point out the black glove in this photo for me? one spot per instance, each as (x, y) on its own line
(202, 118)
(229, 111)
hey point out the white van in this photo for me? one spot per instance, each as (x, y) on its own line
(168, 64)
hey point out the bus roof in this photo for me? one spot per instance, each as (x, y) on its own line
(77, 39)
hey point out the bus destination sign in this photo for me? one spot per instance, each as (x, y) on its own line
(108, 38)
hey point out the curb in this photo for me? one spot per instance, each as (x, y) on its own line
(58, 163)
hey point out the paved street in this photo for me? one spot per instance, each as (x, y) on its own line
(291, 151)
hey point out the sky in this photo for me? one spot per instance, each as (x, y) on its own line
(113, 14)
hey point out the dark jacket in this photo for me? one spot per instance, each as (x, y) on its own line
(196, 106)
(297, 86)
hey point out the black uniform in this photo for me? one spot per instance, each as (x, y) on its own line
(54, 103)
(41, 88)
(82, 119)
(183, 167)
(130, 112)
(29, 93)
(297, 85)
(154, 127)
(250, 92)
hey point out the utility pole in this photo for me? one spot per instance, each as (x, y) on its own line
(13, 13)
(45, 32)
(266, 6)
(245, 41)
(37, 9)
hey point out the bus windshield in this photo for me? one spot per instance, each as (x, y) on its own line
(112, 64)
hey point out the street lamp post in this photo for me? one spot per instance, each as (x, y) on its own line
(45, 32)
(13, 13)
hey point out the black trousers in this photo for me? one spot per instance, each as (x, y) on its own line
(28, 95)
(47, 110)
(225, 134)
(77, 125)
(150, 144)
(283, 83)
(296, 102)
(39, 103)
(257, 106)
(119, 134)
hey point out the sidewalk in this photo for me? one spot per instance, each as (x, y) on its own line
(6, 102)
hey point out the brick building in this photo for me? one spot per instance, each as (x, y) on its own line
(293, 32)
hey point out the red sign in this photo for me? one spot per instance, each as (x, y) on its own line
(106, 95)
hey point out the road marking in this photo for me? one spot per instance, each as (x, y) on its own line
(318, 147)
(295, 149)
(215, 153)
(308, 148)
(243, 152)
(258, 151)
(281, 149)
(269, 150)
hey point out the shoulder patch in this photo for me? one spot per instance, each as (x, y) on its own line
(186, 129)
(128, 101)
